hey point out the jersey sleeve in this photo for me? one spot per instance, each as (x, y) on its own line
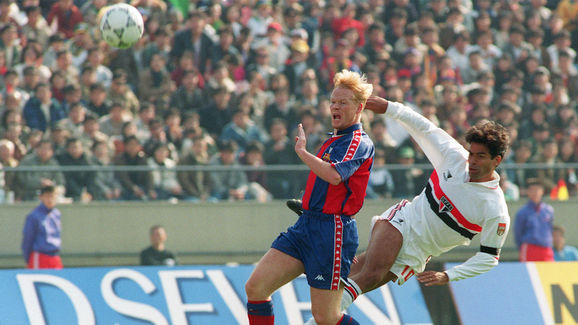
(435, 142)
(492, 239)
(349, 165)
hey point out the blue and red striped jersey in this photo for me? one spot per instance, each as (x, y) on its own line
(350, 151)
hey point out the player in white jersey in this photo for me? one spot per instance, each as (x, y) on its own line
(462, 199)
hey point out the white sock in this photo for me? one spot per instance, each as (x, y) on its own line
(350, 293)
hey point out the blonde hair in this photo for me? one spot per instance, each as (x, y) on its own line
(355, 82)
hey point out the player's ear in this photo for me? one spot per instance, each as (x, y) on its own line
(360, 108)
(498, 159)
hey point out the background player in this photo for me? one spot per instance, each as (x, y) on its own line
(323, 241)
(462, 199)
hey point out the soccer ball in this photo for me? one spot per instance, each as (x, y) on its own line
(121, 25)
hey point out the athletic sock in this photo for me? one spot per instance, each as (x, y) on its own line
(347, 320)
(260, 312)
(350, 292)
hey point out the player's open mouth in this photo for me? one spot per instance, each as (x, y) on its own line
(336, 117)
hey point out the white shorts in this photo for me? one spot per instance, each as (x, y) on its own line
(412, 258)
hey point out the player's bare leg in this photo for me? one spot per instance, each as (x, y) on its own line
(379, 257)
(274, 270)
(325, 305)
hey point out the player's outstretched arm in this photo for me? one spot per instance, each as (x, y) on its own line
(377, 104)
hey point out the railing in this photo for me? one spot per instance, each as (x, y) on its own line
(296, 173)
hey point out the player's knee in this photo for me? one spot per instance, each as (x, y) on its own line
(253, 290)
(324, 317)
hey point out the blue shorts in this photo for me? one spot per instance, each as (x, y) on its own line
(326, 245)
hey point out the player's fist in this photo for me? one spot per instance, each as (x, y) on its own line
(376, 104)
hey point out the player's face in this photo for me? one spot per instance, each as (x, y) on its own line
(481, 163)
(344, 110)
(48, 199)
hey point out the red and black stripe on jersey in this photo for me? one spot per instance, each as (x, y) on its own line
(444, 208)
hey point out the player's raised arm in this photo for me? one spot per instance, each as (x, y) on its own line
(321, 168)
(435, 142)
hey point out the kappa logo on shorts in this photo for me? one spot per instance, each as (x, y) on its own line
(445, 205)
(319, 278)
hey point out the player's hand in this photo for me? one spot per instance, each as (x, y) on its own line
(377, 104)
(430, 278)
(300, 140)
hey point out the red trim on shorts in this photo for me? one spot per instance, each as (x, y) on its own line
(398, 207)
(338, 240)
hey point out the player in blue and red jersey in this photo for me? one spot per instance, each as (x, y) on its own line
(323, 242)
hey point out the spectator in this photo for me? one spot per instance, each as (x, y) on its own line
(253, 157)
(188, 97)
(164, 178)
(380, 180)
(229, 183)
(7, 160)
(136, 184)
(158, 136)
(281, 108)
(279, 151)
(41, 240)
(533, 226)
(195, 183)
(10, 45)
(97, 101)
(511, 190)
(91, 133)
(36, 27)
(74, 123)
(224, 47)
(30, 182)
(120, 92)
(42, 111)
(94, 59)
(157, 254)
(193, 39)
(160, 45)
(260, 64)
(242, 130)
(67, 16)
(30, 79)
(406, 181)
(78, 183)
(298, 62)
(155, 83)
(106, 185)
(217, 113)
(562, 252)
(65, 65)
(111, 123)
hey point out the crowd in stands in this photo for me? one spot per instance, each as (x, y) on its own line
(225, 83)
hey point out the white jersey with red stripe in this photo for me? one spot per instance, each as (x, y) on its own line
(451, 210)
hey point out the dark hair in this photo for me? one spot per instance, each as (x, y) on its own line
(47, 189)
(492, 135)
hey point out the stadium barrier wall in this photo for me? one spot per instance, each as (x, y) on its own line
(544, 293)
(109, 234)
(179, 295)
